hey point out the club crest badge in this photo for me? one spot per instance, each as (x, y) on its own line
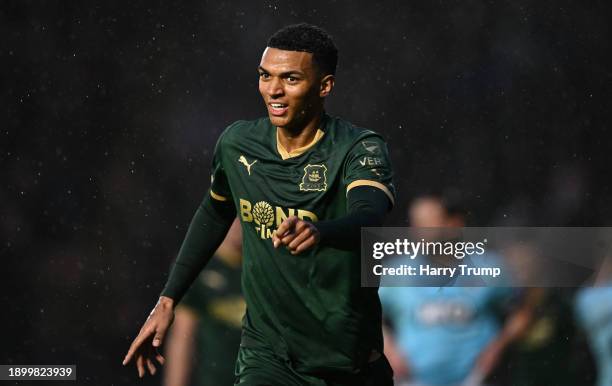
(371, 146)
(315, 178)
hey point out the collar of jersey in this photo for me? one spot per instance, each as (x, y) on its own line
(300, 150)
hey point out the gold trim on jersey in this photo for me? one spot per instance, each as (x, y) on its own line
(300, 150)
(217, 197)
(374, 184)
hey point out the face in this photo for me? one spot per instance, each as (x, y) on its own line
(292, 87)
(427, 213)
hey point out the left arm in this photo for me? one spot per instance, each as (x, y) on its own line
(515, 327)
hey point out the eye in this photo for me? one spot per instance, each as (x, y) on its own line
(292, 79)
(264, 75)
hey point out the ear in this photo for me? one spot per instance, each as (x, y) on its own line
(327, 85)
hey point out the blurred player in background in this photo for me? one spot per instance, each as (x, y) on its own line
(303, 184)
(594, 312)
(551, 351)
(205, 336)
(448, 335)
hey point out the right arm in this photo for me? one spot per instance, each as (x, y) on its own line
(206, 232)
(208, 227)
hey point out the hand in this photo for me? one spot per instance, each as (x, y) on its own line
(489, 358)
(399, 364)
(298, 235)
(397, 360)
(151, 336)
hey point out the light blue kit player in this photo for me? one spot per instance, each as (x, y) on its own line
(442, 330)
(594, 313)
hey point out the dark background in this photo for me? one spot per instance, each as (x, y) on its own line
(110, 112)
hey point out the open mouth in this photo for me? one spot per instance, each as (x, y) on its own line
(278, 108)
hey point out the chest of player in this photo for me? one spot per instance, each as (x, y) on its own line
(267, 189)
(310, 178)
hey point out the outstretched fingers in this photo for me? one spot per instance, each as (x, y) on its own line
(140, 365)
(144, 348)
(136, 344)
(160, 358)
(151, 366)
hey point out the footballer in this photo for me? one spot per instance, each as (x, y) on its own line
(302, 184)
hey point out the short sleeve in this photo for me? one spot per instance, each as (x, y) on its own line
(368, 164)
(219, 186)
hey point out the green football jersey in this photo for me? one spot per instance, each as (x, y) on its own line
(309, 308)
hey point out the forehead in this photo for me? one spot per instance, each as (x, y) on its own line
(277, 60)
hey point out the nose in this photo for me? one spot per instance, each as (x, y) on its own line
(275, 88)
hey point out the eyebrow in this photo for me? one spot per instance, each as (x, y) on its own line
(286, 73)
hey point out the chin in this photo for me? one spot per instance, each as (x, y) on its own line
(279, 121)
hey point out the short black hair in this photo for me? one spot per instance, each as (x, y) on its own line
(308, 38)
(453, 201)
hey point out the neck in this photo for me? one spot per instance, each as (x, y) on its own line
(294, 138)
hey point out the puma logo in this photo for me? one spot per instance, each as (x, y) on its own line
(244, 161)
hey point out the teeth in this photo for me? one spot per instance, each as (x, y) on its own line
(277, 105)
